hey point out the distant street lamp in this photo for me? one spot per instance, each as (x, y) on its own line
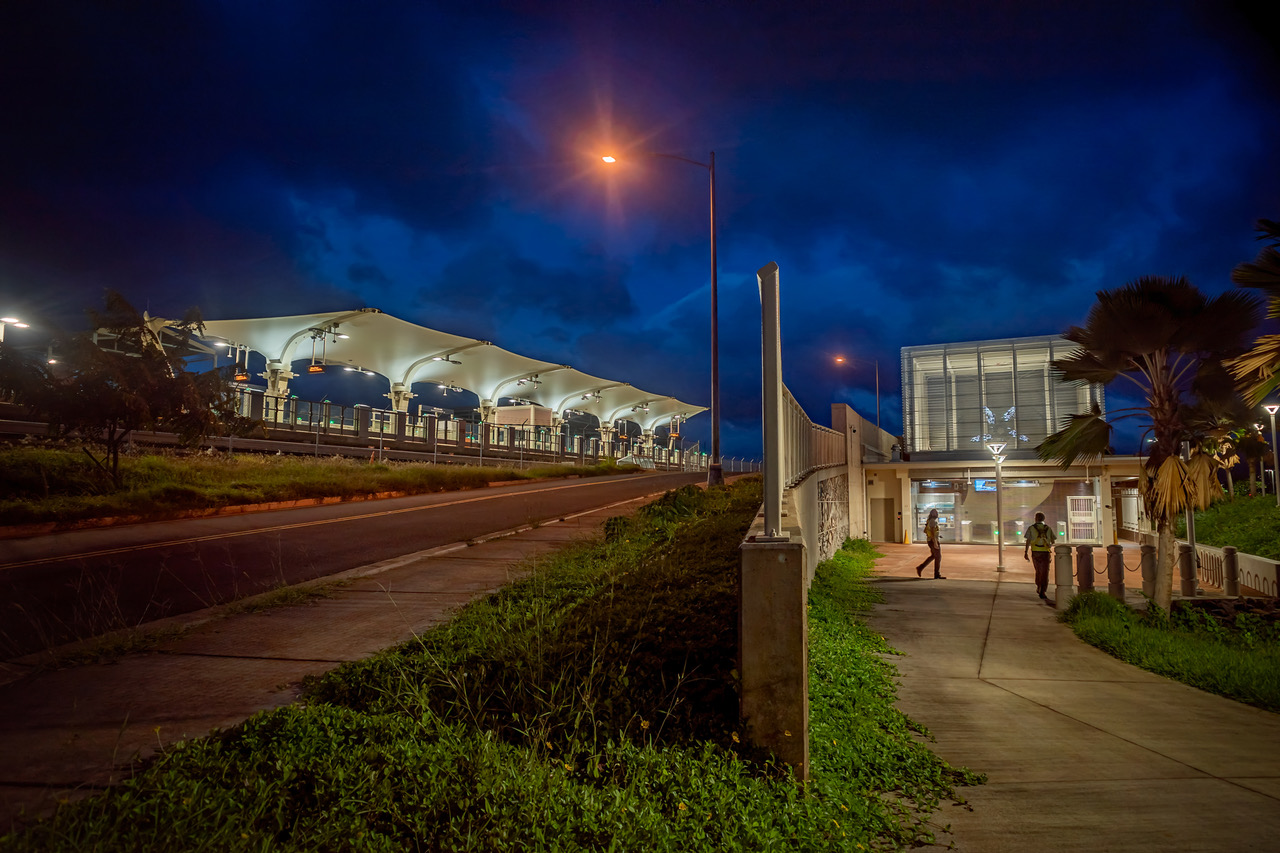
(841, 360)
(997, 448)
(1275, 459)
(10, 321)
(715, 475)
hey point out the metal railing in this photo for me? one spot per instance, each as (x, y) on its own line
(440, 434)
(806, 446)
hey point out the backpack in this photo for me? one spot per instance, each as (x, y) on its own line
(1040, 535)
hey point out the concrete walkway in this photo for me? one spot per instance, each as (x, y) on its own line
(66, 733)
(1083, 752)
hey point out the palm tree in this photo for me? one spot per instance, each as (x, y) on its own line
(1258, 370)
(1161, 334)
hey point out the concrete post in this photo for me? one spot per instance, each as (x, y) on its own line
(1187, 570)
(399, 395)
(364, 420)
(1062, 575)
(1084, 567)
(1148, 570)
(401, 421)
(1230, 571)
(1115, 572)
(432, 438)
(771, 392)
(773, 650)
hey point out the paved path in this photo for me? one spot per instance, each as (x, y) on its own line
(65, 733)
(1083, 752)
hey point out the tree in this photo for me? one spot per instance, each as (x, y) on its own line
(1258, 371)
(140, 383)
(1166, 337)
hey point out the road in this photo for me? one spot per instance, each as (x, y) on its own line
(67, 586)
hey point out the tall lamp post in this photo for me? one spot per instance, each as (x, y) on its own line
(997, 448)
(1275, 458)
(715, 475)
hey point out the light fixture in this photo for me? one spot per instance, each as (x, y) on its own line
(241, 375)
(529, 380)
(996, 448)
(609, 159)
(1272, 409)
(11, 320)
(221, 344)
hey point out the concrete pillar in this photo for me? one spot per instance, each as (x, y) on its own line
(605, 444)
(1187, 571)
(1062, 575)
(774, 650)
(487, 408)
(1107, 514)
(278, 375)
(1230, 572)
(1084, 567)
(1115, 572)
(432, 436)
(1148, 563)
(255, 407)
(402, 419)
(399, 395)
(364, 421)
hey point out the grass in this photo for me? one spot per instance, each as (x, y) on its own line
(46, 484)
(1239, 659)
(1251, 525)
(590, 706)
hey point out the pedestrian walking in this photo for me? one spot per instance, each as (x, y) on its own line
(1039, 542)
(935, 547)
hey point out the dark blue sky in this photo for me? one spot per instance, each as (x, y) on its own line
(920, 173)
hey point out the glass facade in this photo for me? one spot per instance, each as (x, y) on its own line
(967, 507)
(958, 397)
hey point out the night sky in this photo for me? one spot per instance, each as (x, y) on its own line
(920, 173)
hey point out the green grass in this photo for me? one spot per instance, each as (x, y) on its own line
(1251, 525)
(590, 706)
(1240, 660)
(48, 484)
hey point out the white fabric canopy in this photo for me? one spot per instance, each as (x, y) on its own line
(405, 353)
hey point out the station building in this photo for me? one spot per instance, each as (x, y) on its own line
(959, 397)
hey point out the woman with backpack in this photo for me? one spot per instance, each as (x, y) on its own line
(1039, 541)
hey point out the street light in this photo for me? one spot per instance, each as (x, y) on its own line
(715, 475)
(841, 360)
(11, 321)
(1271, 410)
(997, 448)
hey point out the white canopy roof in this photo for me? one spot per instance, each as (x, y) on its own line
(405, 353)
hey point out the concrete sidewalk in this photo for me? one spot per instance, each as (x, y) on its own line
(1083, 752)
(66, 733)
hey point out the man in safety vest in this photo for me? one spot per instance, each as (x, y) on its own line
(1039, 541)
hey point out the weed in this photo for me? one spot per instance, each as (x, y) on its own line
(589, 706)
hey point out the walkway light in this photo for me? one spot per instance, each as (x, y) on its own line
(996, 449)
(1275, 460)
(11, 321)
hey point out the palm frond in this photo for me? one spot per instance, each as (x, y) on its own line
(1255, 371)
(1168, 495)
(1085, 437)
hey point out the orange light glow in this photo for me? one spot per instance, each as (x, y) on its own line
(839, 359)
(609, 159)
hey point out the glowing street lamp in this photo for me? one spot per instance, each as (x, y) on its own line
(715, 476)
(1275, 460)
(997, 448)
(842, 360)
(11, 321)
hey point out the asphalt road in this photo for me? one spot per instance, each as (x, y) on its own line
(68, 586)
